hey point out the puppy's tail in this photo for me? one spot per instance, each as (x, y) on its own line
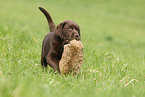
(49, 19)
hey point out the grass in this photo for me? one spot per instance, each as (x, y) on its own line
(112, 34)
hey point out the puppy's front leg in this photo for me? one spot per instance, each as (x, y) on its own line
(54, 63)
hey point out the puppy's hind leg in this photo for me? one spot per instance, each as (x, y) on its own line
(43, 64)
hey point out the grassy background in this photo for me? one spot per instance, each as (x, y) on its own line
(113, 34)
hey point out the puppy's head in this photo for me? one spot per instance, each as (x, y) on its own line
(68, 30)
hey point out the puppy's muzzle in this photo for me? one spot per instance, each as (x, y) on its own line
(77, 36)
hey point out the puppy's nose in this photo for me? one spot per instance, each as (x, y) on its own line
(76, 35)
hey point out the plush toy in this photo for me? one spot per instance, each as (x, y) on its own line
(72, 58)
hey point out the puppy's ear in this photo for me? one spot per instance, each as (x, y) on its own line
(59, 30)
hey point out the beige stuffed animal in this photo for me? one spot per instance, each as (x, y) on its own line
(72, 58)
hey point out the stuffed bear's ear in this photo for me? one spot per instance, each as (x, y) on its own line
(59, 30)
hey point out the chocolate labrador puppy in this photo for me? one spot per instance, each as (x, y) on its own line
(53, 43)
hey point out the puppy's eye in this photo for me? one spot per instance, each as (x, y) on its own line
(69, 28)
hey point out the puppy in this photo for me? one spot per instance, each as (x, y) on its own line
(53, 43)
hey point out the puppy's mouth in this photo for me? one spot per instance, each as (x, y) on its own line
(68, 40)
(77, 38)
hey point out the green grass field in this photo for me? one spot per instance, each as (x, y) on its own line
(113, 35)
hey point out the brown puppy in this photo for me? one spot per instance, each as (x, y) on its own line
(53, 43)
